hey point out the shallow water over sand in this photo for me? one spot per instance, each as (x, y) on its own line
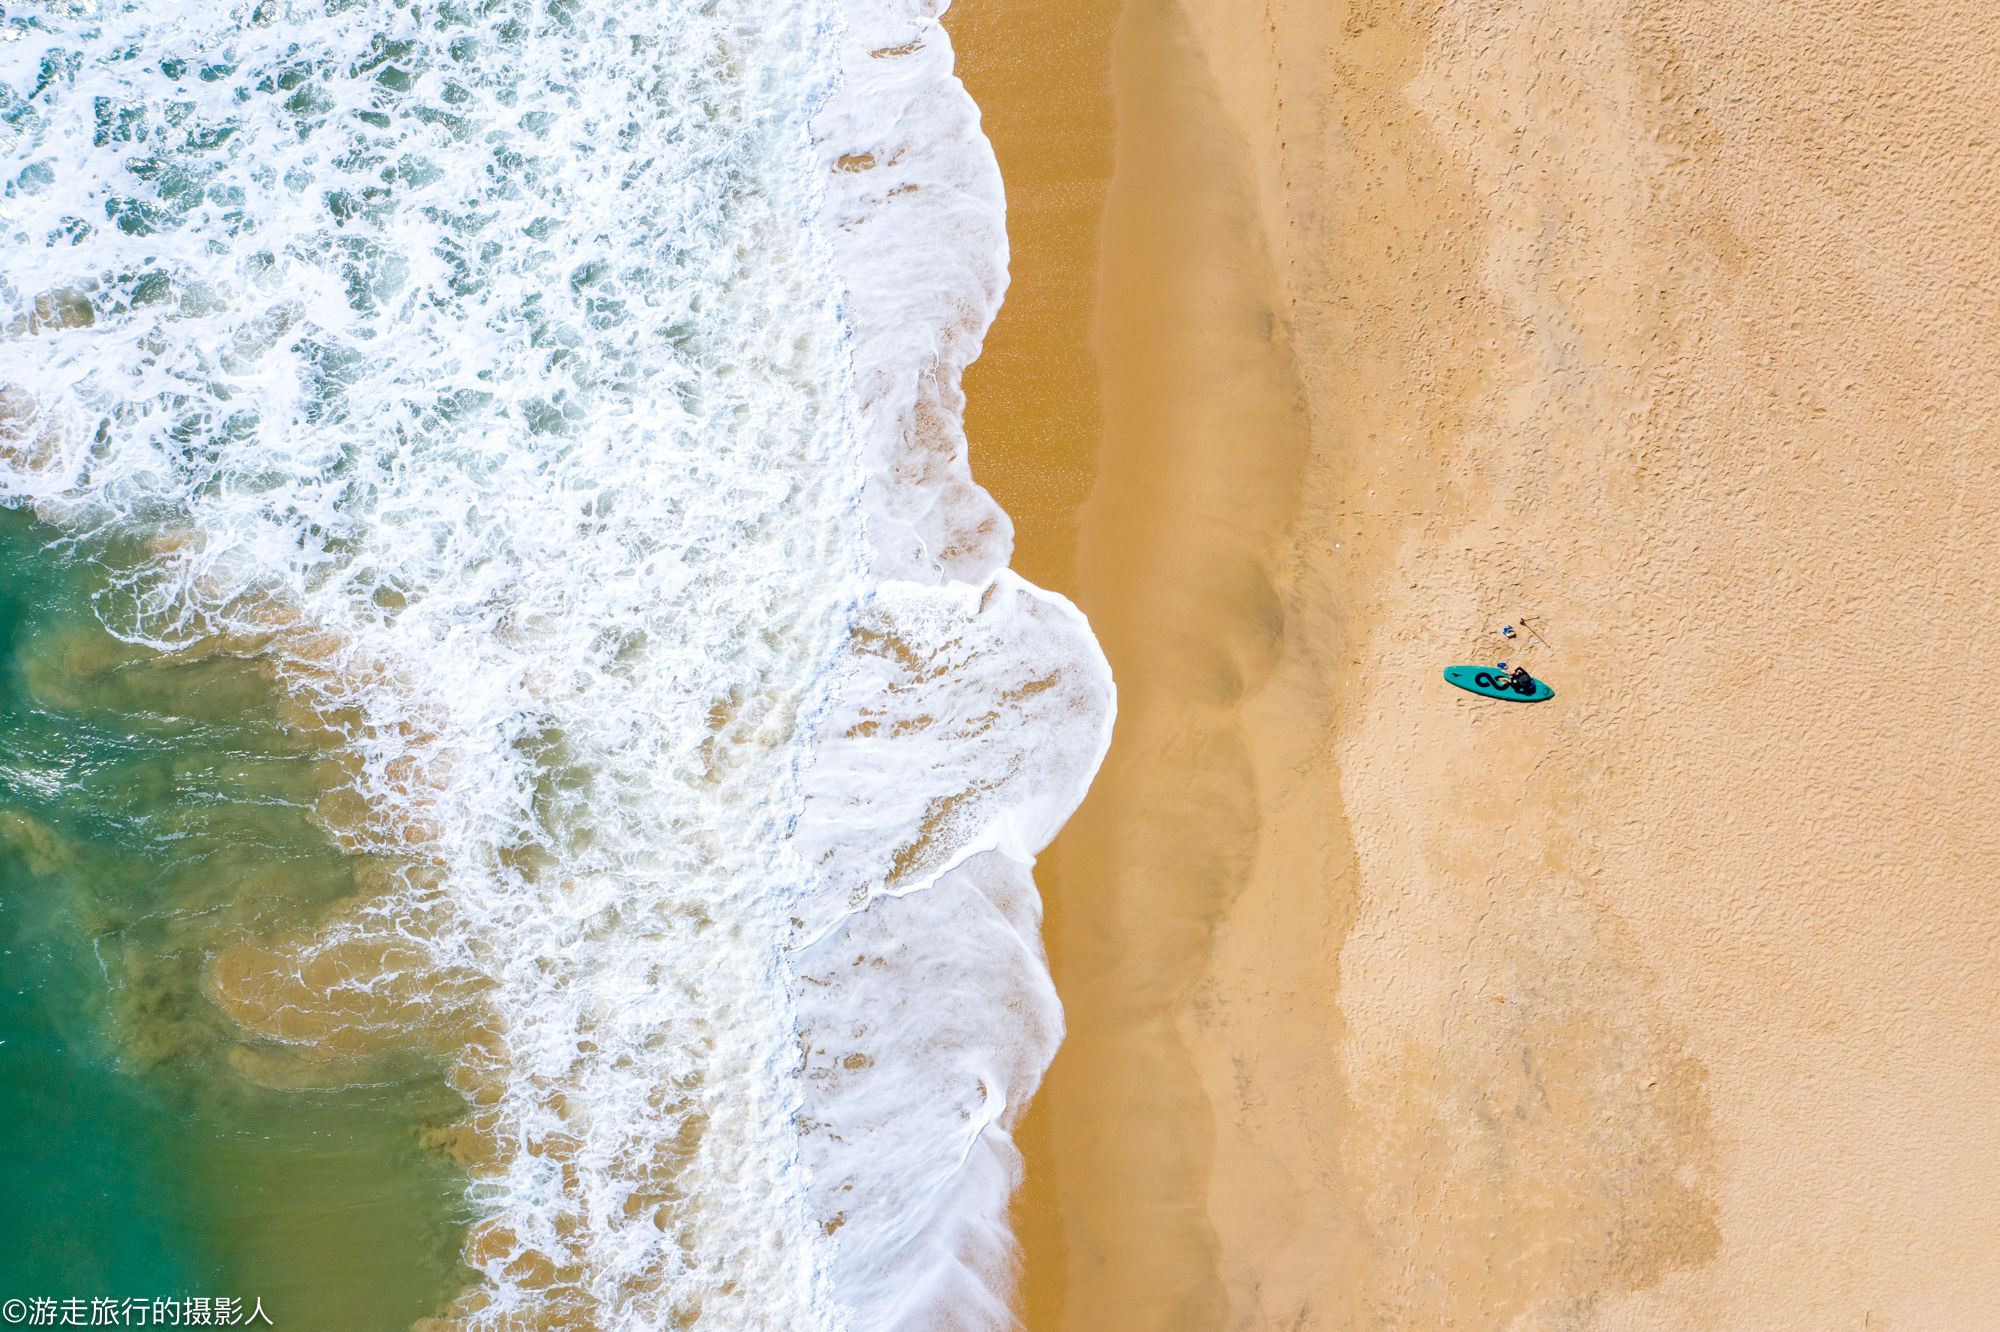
(152, 812)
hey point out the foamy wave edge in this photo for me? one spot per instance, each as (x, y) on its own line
(930, 966)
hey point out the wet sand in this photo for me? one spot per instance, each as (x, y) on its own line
(1034, 414)
(1173, 555)
(1665, 1004)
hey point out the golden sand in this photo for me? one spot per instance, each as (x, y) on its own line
(1665, 1004)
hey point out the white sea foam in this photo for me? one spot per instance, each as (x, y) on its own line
(571, 394)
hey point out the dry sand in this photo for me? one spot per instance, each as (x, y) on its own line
(1675, 327)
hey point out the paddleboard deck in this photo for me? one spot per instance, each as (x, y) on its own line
(1491, 683)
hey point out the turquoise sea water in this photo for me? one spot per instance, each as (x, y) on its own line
(152, 811)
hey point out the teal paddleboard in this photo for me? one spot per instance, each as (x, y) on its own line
(1493, 683)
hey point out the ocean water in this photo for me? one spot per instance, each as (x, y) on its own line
(552, 410)
(152, 809)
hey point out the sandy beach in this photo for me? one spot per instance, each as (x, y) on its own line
(1669, 327)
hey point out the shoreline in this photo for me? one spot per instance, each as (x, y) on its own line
(1033, 416)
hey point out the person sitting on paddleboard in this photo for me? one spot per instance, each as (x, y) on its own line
(1518, 680)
